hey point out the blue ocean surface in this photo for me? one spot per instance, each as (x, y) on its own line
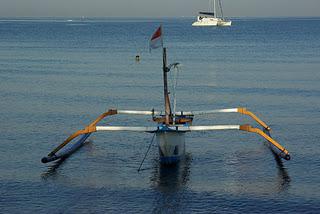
(57, 76)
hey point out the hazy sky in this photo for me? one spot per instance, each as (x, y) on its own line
(154, 8)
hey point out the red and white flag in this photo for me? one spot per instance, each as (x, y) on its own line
(156, 40)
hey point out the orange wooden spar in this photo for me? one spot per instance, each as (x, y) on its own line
(249, 128)
(89, 129)
(253, 116)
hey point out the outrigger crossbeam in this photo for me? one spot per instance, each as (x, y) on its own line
(92, 127)
(193, 113)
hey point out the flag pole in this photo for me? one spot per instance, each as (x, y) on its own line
(155, 42)
(165, 82)
(165, 88)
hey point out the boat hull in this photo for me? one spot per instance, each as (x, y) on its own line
(205, 22)
(224, 23)
(171, 146)
(208, 21)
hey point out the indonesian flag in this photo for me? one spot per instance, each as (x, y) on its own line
(156, 40)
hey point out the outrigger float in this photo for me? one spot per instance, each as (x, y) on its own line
(171, 125)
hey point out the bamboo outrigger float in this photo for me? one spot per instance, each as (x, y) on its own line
(171, 126)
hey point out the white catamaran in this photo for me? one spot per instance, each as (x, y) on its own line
(211, 18)
(171, 125)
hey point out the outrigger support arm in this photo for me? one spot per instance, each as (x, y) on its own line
(89, 129)
(253, 116)
(283, 152)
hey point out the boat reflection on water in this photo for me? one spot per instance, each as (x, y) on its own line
(171, 178)
(283, 175)
(52, 169)
(170, 183)
(283, 178)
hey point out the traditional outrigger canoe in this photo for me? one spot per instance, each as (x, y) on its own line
(170, 127)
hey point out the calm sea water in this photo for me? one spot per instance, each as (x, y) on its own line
(57, 76)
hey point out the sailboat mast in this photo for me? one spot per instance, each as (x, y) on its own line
(214, 9)
(165, 88)
(221, 11)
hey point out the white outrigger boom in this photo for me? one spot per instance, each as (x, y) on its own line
(170, 129)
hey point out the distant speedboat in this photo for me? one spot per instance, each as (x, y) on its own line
(211, 19)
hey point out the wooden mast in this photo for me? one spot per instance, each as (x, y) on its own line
(165, 88)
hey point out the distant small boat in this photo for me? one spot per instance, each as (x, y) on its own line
(69, 20)
(211, 19)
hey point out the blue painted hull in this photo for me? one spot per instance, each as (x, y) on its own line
(170, 160)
